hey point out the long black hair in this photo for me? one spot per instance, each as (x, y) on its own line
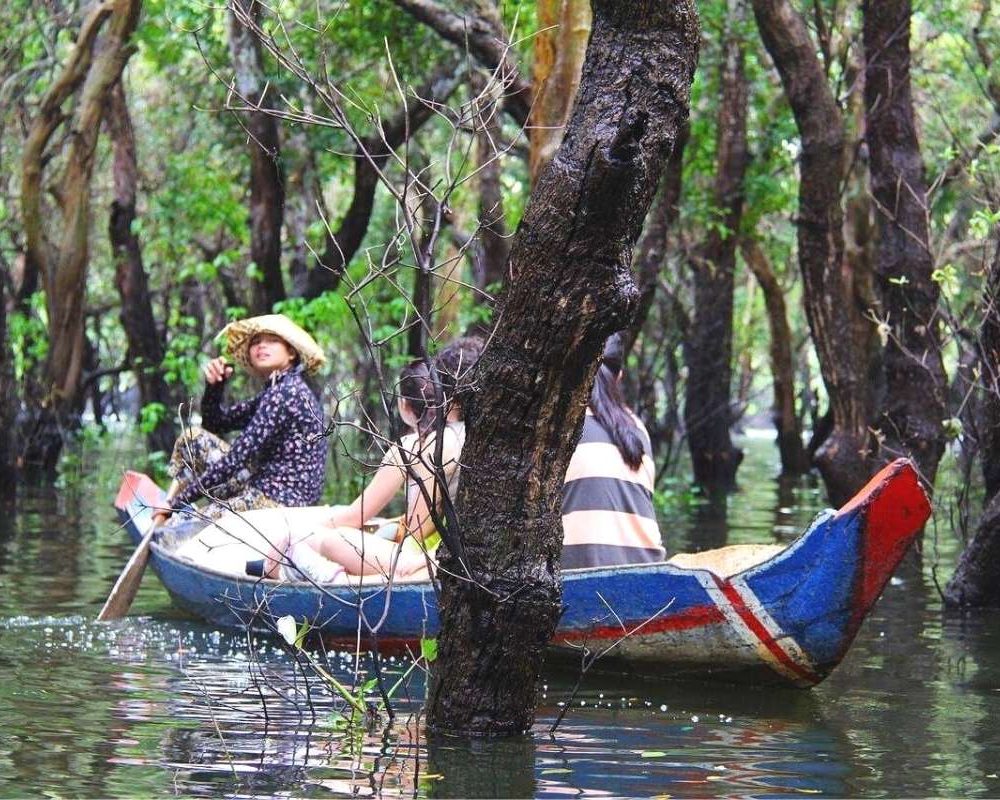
(416, 388)
(454, 363)
(608, 405)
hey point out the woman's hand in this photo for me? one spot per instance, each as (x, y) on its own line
(217, 371)
(339, 517)
(159, 517)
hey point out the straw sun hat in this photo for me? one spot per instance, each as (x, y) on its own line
(238, 335)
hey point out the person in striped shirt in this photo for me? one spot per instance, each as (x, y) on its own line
(608, 515)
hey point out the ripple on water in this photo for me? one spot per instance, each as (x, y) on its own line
(159, 705)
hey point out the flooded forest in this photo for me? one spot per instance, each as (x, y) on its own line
(787, 214)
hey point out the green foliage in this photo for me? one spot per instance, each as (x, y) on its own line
(429, 650)
(28, 334)
(674, 495)
(151, 415)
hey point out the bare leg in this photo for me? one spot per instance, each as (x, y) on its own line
(276, 555)
(364, 554)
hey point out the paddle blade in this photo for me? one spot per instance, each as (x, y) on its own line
(125, 588)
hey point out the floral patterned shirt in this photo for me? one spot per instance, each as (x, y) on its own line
(282, 445)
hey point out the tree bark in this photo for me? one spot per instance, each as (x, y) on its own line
(38, 253)
(976, 581)
(145, 349)
(709, 350)
(482, 36)
(93, 70)
(560, 47)
(571, 287)
(267, 185)
(828, 297)
(494, 243)
(369, 159)
(8, 403)
(794, 460)
(914, 408)
(303, 196)
(989, 366)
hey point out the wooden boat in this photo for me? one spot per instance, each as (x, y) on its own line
(789, 619)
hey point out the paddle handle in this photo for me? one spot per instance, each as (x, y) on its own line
(125, 588)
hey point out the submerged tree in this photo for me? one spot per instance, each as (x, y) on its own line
(8, 397)
(571, 286)
(145, 346)
(267, 184)
(709, 346)
(829, 300)
(93, 68)
(914, 407)
(976, 581)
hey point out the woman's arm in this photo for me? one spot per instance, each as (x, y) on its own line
(266, 423)
(388, 480)
(217, 418)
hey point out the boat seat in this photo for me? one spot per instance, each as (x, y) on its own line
(727, 561)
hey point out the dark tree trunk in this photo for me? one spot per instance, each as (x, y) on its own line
(145, 350)
(494, 243)
(651, 253)
(709, 344)
(423, 297)
(914, 407)
(303, 195)
(571, 287)
(370, 157)
(8, 403)
(828, 295)
(480, 34)
(976, 581)
(794, 460)
(267, 187)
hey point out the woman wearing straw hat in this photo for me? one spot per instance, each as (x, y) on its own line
(279, 459)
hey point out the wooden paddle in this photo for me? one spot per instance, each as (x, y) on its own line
(125, 588)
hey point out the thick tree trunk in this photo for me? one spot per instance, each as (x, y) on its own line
(303, 195)
(64, 268)
(828, 295)
(794, 460)
(480, 34)
(145, 350)
(267, 186)
(571, 287)
(369, 159)
(914, 407)
(8, 403)
(38, 252)
(560, 47)
(651, 252)
(494, 242)
(709, 344)
(976, 581)
(423, 301)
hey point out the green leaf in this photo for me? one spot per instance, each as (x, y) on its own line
(429, 649)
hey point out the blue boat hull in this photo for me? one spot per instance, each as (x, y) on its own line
(788, 620)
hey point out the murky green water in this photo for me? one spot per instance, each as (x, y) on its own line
(161, 705)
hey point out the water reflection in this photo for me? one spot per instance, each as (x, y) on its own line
(158, 704)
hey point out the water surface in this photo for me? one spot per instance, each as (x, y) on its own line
(159, 704)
